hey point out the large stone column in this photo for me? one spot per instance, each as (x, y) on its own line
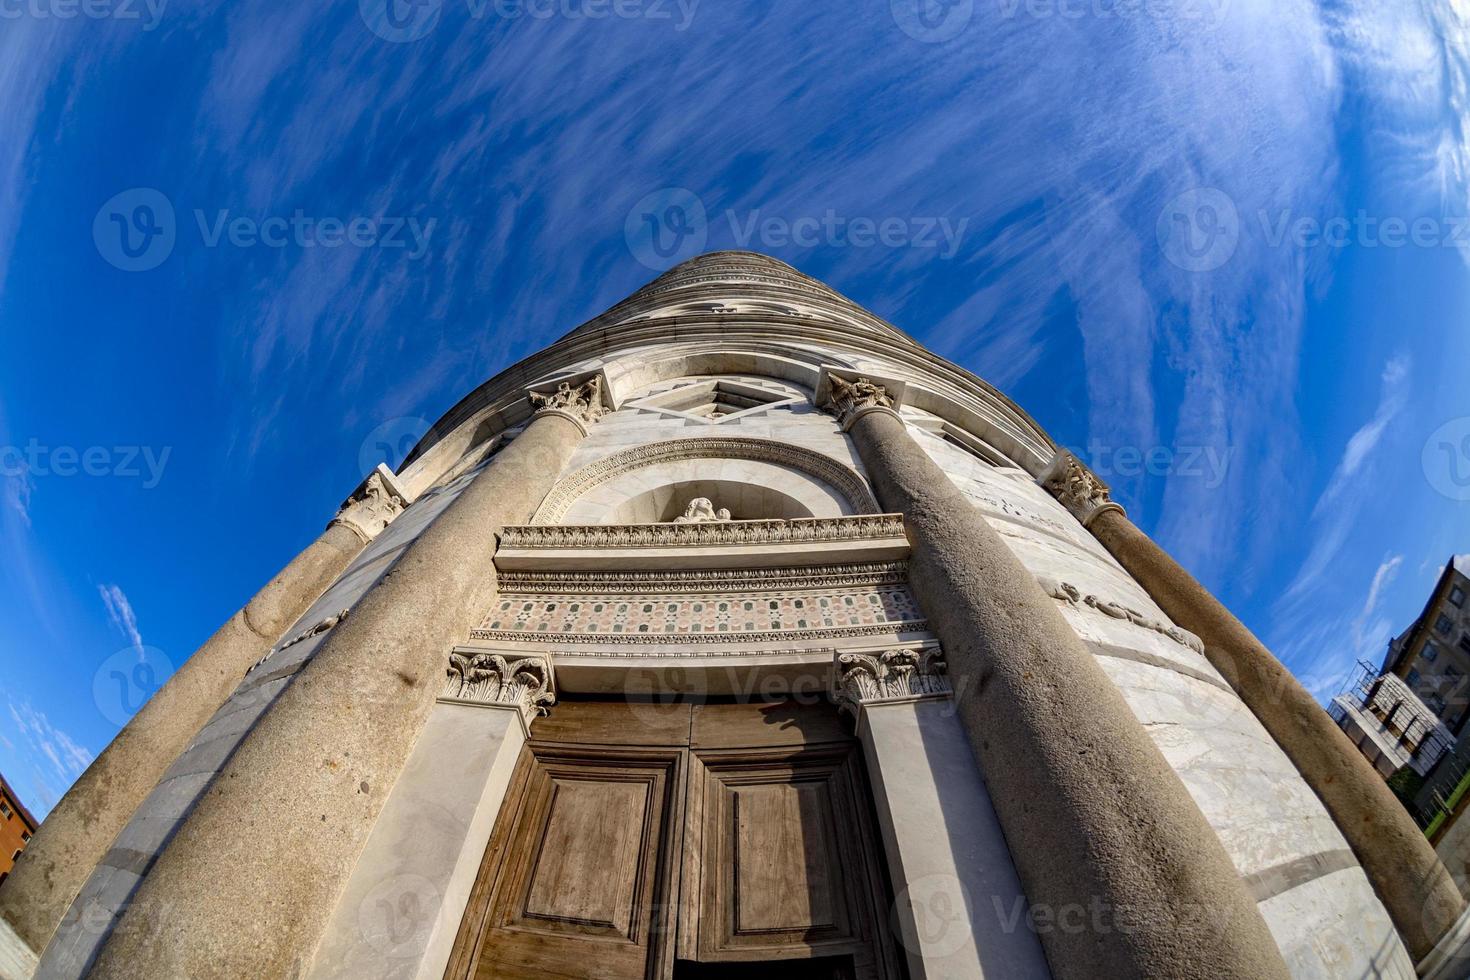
(1124, 875)
(82, 826)
(1413, 885)
(280, 829)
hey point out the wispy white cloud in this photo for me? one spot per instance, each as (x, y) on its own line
(15, 491)
(54, 757)
(120, 612)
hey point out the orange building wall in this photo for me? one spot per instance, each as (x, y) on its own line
(16, 826)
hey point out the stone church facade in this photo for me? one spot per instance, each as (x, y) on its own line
(733, 631)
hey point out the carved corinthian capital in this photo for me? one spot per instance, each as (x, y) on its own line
(848, 400)
(488, 678)
(373, 505)
(900, 674)
(1077, 488)
(581, 401)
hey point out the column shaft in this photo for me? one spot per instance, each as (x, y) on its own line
(82, 826)
(247, 884)
(1412, 883)
(1112, 851)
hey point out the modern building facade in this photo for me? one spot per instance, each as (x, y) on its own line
(735, 630)
(1433, 654)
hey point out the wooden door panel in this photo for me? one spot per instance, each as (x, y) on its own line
(780, 853)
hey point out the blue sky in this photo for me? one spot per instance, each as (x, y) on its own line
(242, 245)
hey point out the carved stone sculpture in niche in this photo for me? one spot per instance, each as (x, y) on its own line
(863, 678)
(583, 401)
(701, 510)
(489, 678)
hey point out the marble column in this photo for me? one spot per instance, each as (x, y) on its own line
(1414, 886)
(1125, 877)
(290, 812)
(959, 909)
(77, 833)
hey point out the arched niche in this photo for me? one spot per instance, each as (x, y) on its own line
(752, 478)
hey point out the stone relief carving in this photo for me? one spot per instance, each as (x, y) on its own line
(701, 510)
(847, 398)
(713, 581)
(1074, 596)
(316, 630)
(372, 507)
(864, 678)
(583, 401)
(857, 527)
(1077, 488)
(702, 639)
(489, 678)
(808, 461)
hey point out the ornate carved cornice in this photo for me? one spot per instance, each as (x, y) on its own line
(1077, 488)
(1074, 596)
(524, 682)
(581, 401)
(824, 468)
(814, 529)
(900, 674)
(373, 505)
(703, 639)
(713, 581)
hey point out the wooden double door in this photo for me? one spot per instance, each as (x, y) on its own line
(683, 842)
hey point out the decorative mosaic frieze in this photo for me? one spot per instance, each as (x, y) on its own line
(898, 674)
(815, 529)
(488, 678)
(1074, 596)
(593, 475)
(719, 581)
(680, 616)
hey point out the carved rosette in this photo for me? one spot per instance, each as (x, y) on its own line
(894, 675)
(1077, 488)
(849, 400)
(582, 402)
(372, 507)
(489, 678)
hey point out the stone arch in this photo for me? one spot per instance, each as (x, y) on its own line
(640, 482)
(635, 372)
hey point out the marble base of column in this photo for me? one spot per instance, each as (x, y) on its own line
(247, 884)
(1407, 874)
(1112, 851)
(82, 826)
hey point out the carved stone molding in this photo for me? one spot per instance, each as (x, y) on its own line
(1074, 596)
(714, 581)
(824, 468)
(900, 674)
(1077, 488)
(316, 629)
(524, 682)
(373, 505)
(702, 639)
(826, 529)
(580, 400)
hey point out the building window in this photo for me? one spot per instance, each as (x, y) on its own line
(1429, 652)
(15, 857)
(1442, 625)
(1465, 642)
(4, 810)
(1413, 678)
(25, 836)
(1457, 596)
